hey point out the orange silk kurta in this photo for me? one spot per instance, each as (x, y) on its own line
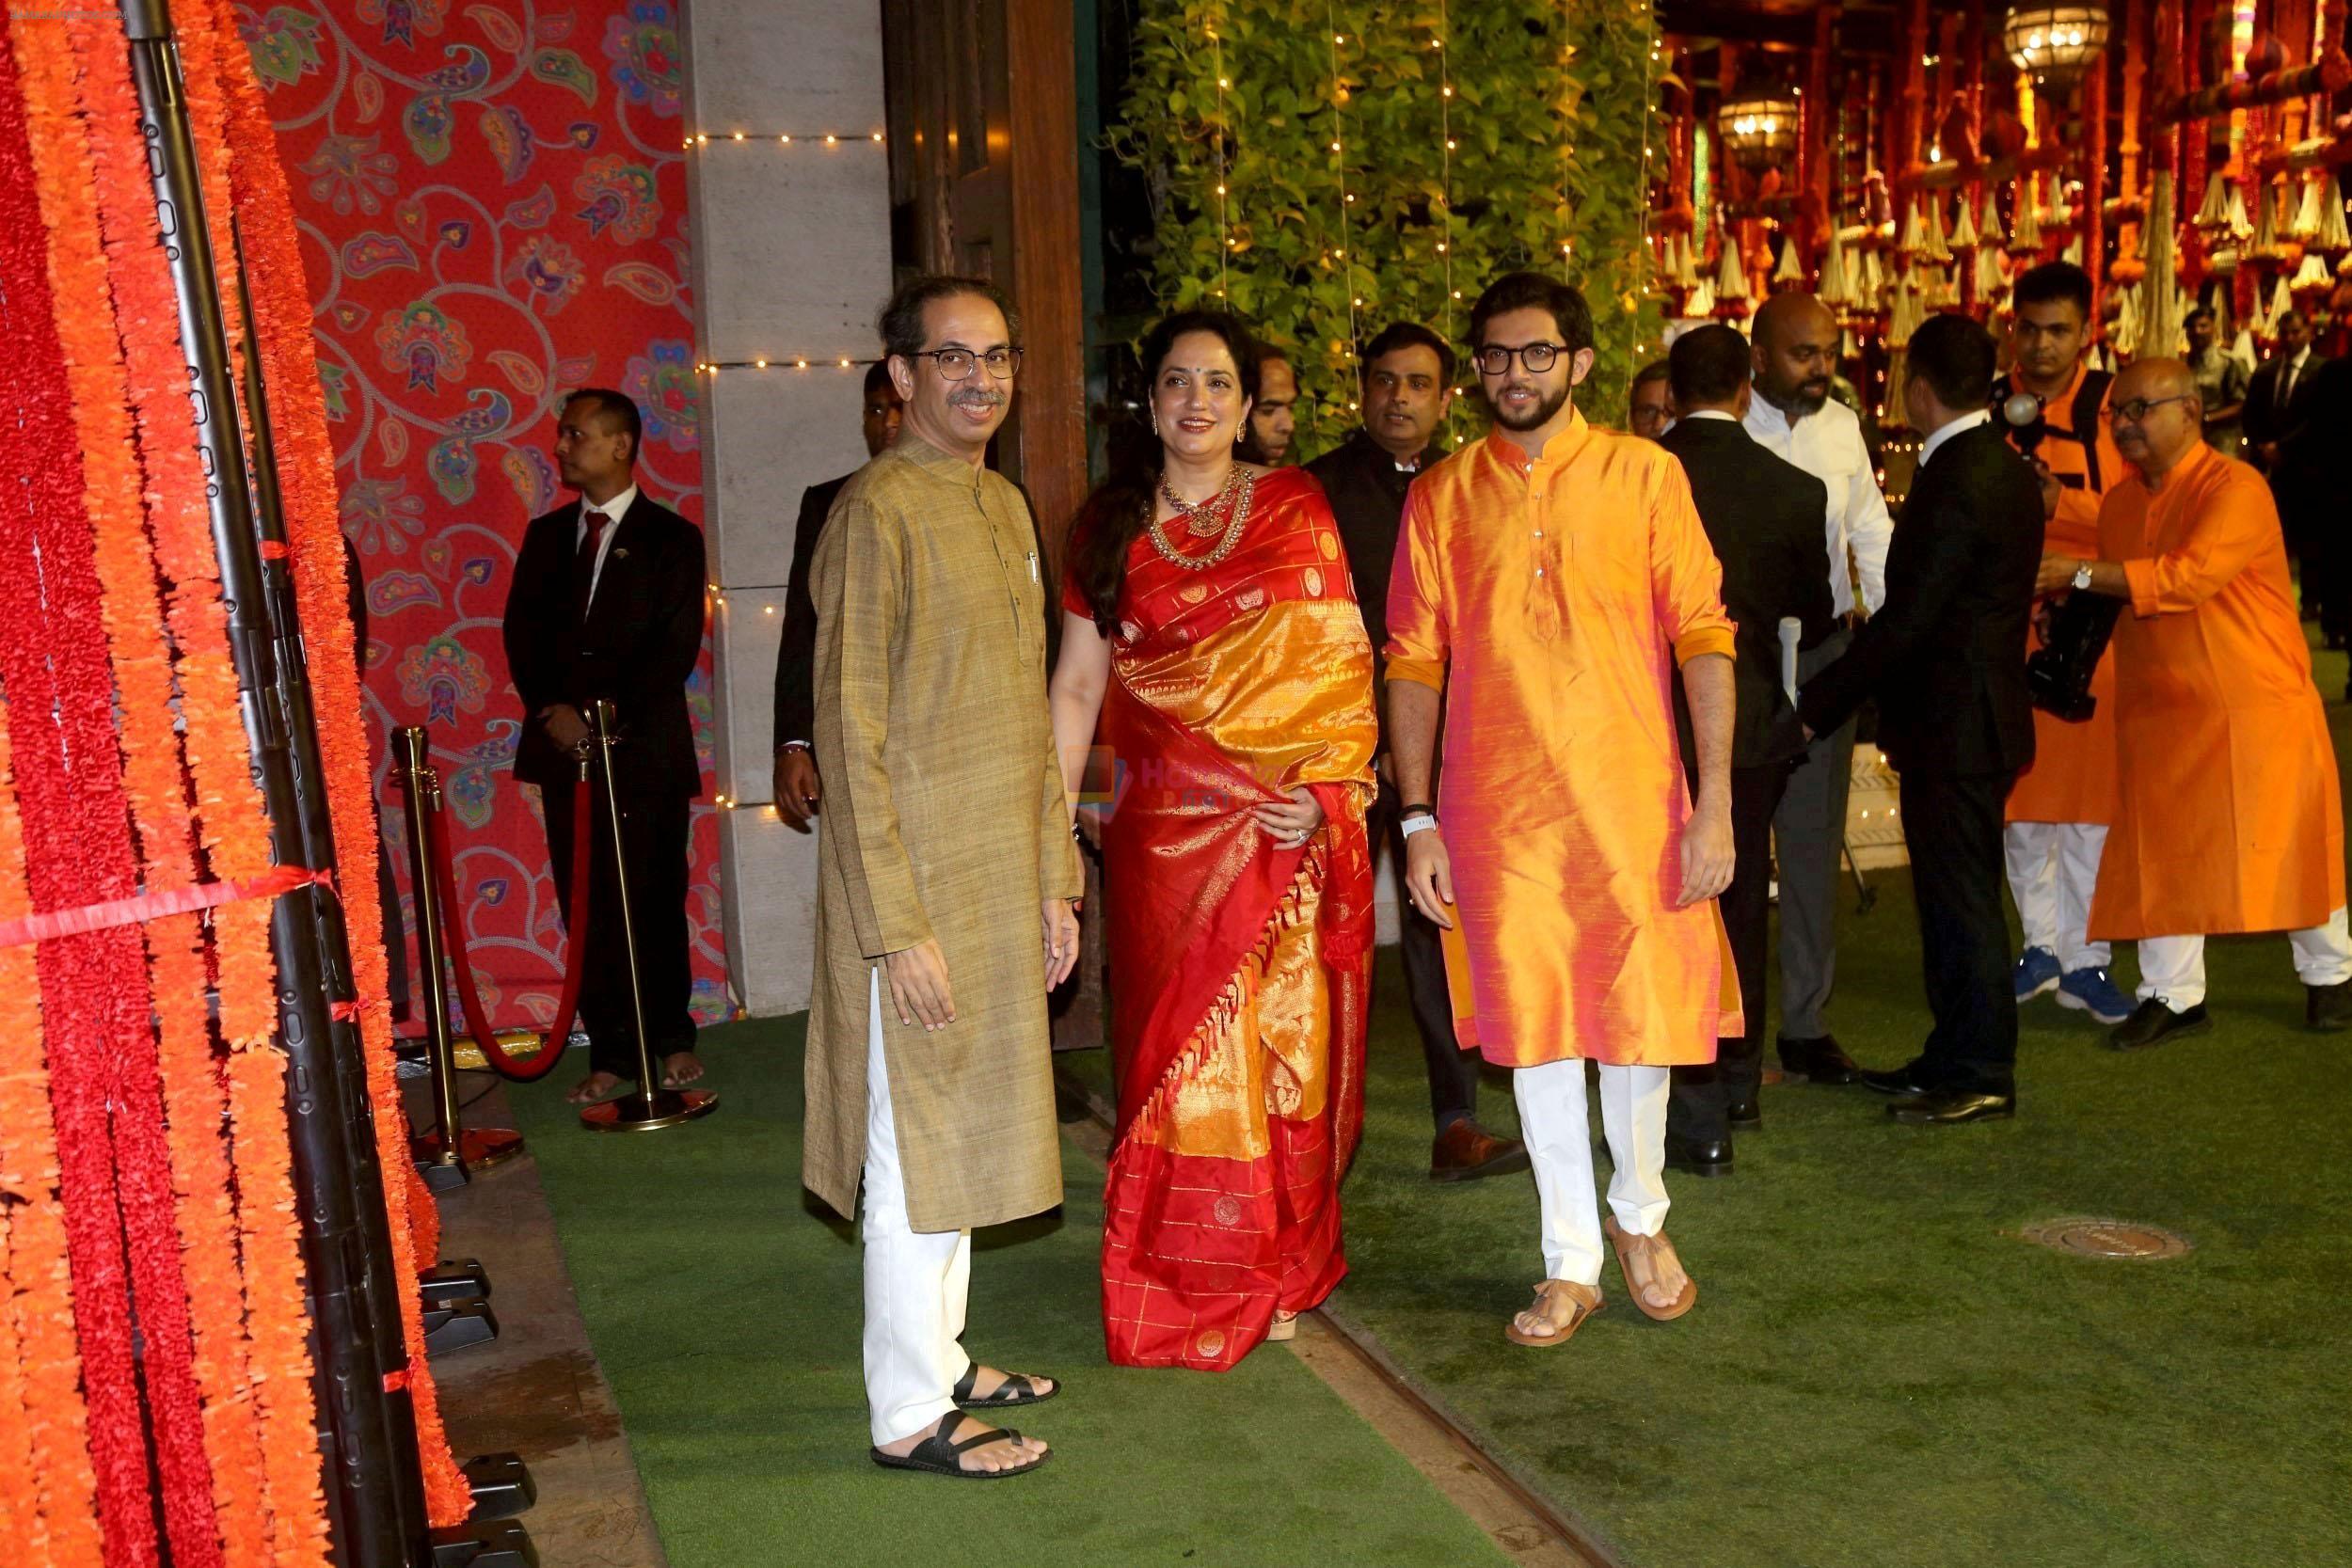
(1549, 601)
(2231, 819)
(2073, 776)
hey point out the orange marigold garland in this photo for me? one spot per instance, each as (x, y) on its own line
(279, 299)
(103, 1086)
(59, 1524)
(193, 1106)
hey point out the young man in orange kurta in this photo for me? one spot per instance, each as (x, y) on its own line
(2230, 814)
(1549, 578)
(2060, 807)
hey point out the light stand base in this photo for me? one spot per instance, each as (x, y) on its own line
(485, 1543)
(478, 1148)
(454, 1278)
(649, 1113)
(502, 1485)
(458, 1323)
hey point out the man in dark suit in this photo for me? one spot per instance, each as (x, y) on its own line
(1409, 386)
(607, 602)
(797, 790)
(2274, 399)
(1945, 656)
(1763, 516)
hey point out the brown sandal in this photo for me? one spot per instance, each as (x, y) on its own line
(1284, 1326)
(1625, 1245)
(1584, 1298)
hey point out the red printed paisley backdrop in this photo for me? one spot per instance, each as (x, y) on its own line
(493, 212)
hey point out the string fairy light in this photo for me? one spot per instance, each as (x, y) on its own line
(1649, 112)
(697, 139)
(1339, 164)
(1445, 166)
(783, 363)
(1225, 241)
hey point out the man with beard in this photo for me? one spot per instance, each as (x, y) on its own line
(1272, 421)
(1409, 386)
(2055, 827)
(1650, 406)
(797, 790)
(2231, 816)
(607, 603)
(1548, 579)
(1793, 417)
(946, 873)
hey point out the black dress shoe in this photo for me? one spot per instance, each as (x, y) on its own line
(1897, 1080)
(1699, 1156)
(1951, 1107)
(1744, 1113)
(1817, 1061)
(2327, 1009)
(2152, 1023)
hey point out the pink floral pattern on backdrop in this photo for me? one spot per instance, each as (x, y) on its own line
(493, 214)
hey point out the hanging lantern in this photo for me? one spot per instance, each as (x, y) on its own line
(2055, 44)
(1758, 128)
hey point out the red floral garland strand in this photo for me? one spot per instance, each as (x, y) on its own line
(104, 1075)
(280, 301)
(38, 1309)
(194, 1105)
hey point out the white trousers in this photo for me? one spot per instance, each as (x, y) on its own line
(915, 1281)
(1559, 1148)
(2053, 867)
(2173, 968)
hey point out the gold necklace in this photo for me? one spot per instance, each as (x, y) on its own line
(1239, 514)
(1204, 518)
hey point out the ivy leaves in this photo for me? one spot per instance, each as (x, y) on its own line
(1548, 114)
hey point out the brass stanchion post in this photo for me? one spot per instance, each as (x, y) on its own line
(447, 1155)
(651, 1107)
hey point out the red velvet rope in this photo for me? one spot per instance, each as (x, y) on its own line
(574, 924)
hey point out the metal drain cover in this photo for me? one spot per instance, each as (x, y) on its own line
(2095, 1238)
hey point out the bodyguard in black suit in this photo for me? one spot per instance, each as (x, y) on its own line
(2274, 397)
(607, 602)
(1763, 517)
(798, 791)
(1945, 658)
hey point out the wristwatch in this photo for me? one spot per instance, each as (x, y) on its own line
(2082, 575)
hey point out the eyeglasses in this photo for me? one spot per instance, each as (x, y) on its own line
(1494, 360)
(955, 364)
(2137, 411)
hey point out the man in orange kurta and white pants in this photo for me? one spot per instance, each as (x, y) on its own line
(1549, 578)
(2230, 817)
(2059, 810)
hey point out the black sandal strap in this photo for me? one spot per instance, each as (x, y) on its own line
(993, 1435)
(961, 1392)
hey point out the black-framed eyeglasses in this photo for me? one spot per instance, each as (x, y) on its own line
(955, 364)
(1494, 360)
(2136, 409)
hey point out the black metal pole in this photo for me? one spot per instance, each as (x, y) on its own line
(374, 1480)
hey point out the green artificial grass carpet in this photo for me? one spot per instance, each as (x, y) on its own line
(724, 1309)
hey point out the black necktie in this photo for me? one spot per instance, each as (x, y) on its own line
(584, 564)
(2286, 384)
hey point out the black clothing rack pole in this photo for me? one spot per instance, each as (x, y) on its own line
(374, 1479)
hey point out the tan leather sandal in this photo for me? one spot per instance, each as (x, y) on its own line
(1585, 1299)
(1285, 1326)
(1628, 1246)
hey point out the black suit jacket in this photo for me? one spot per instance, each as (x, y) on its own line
(1764, 518)
(796, 655)
(1948, 650)
(637, 647)
(2264, 421)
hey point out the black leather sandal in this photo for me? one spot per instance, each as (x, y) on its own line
(1017, 1389)
(935, 1455)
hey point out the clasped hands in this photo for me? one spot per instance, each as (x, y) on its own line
(567, 729)
(1708, 857)
(919, 988)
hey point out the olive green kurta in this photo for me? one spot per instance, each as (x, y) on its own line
(943, 818)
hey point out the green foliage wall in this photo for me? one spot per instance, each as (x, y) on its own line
(1550, 114)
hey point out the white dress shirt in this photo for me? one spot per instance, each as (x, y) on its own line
(1829, 446)
(1944, 433)
(616, 509)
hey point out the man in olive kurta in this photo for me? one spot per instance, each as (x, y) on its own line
(947, 878)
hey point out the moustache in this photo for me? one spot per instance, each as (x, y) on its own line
(977, 400)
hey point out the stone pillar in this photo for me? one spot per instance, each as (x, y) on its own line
(792, 261)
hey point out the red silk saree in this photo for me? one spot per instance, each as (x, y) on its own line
(1240, 970)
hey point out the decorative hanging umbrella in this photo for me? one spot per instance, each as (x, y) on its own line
(1989, 226)
(2240, 224)
(2025, 238)
(1911, 242)
(1963, 227)
(2306, 224)
(1701, 303)
(1731, 279)
(1873, 288)
(2073, 252)
(2333, 234)
(2214, 212)
(2125, 333)
(1834, 292)
(2266, 224)
(2313, 273)
(1939, 248)
(2163, 308)
(2282, 301)
(1990, 280)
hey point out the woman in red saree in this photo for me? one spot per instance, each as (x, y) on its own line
(1212, 646)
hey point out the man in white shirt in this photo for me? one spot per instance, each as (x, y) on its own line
(1793, 417)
